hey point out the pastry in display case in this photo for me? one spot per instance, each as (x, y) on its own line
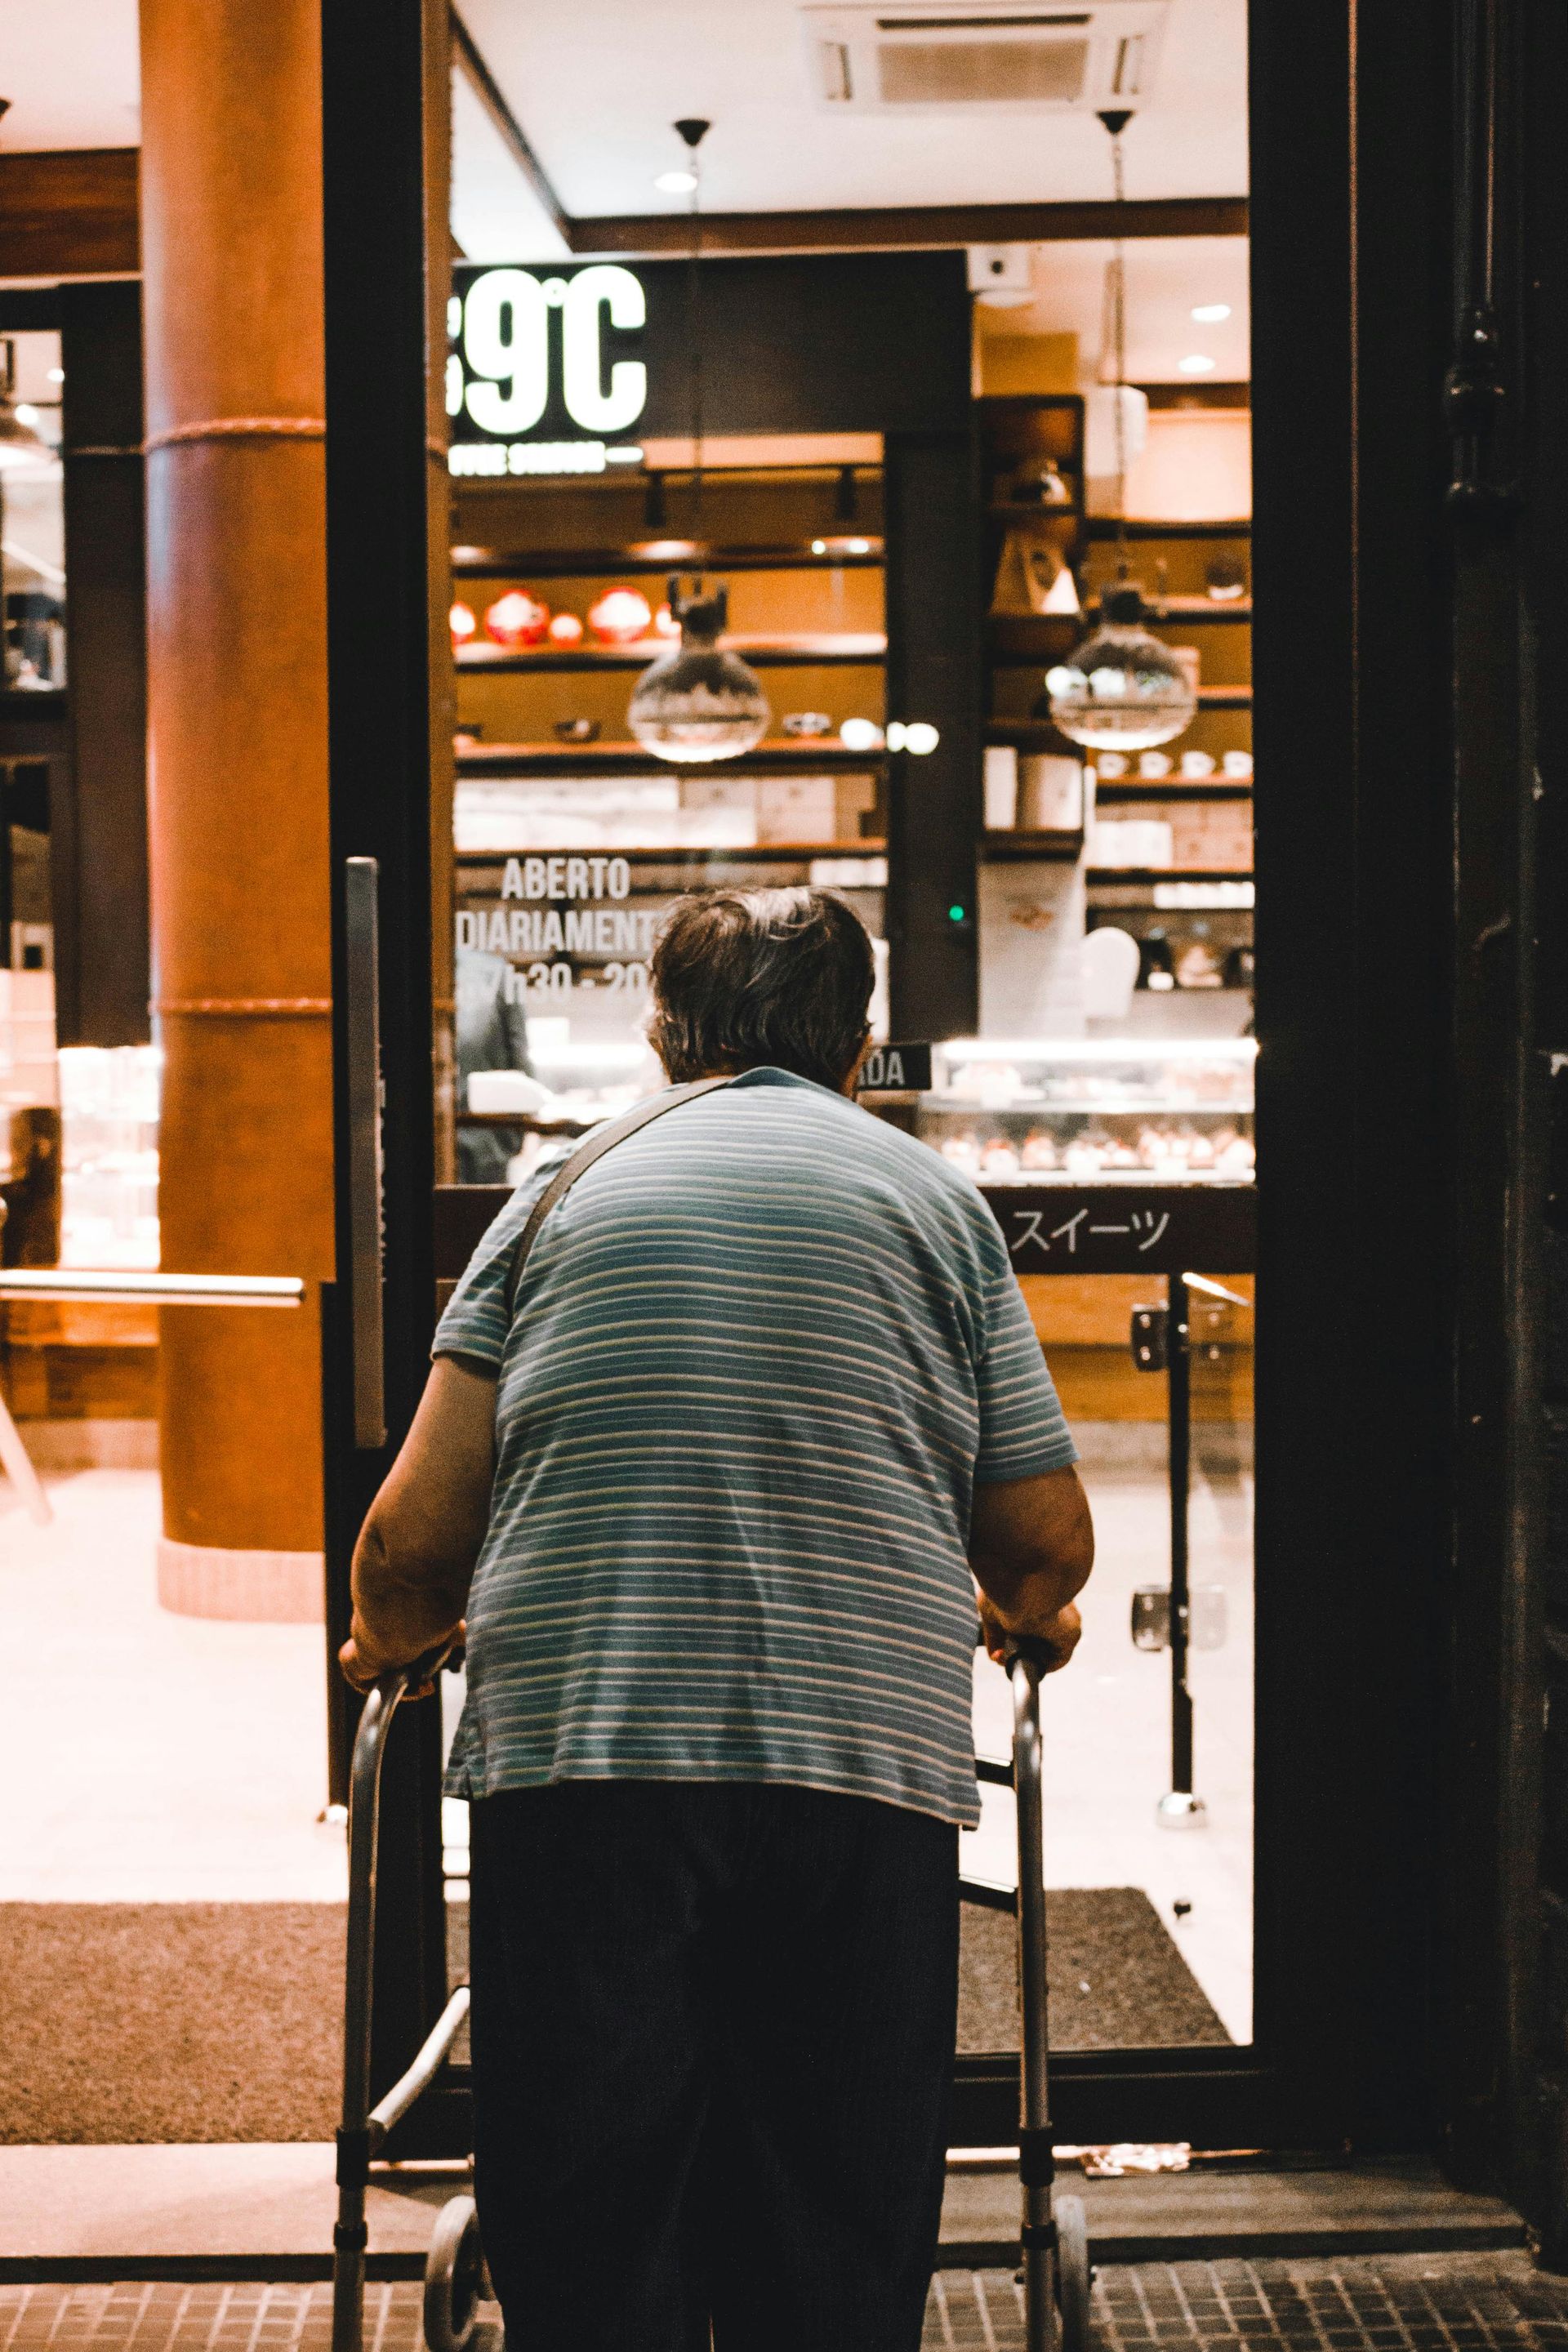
(1074, 1110)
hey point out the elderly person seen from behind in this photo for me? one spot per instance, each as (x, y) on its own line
(714, 1496)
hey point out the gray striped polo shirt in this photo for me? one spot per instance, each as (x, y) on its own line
(761, 1354)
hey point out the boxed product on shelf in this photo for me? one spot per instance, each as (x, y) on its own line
(796, 808)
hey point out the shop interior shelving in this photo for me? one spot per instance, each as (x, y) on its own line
(810, 755)
(802, 551)
(1104, 527)
(1018, 844)
(762, 652)
(653, 558)
(1169, 559)
(764, 853)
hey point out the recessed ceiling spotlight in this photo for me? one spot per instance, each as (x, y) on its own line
(1196, 363)
(674, 184)
(1210, 314)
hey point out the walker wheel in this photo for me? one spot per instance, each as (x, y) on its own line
(1073, 2273)
(454, 2277)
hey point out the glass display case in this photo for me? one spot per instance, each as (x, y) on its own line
(1075, 1110)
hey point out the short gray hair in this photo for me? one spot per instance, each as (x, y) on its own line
(745, 978)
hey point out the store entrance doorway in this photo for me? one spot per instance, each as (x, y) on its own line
(1250, 2064)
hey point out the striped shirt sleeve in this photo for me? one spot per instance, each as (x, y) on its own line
(475, 1322)
(1023, 1433)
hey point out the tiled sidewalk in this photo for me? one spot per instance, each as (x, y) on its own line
(1413, 2303)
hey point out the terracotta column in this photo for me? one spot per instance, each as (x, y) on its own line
(231, 228)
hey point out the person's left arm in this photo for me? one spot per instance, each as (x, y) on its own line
(415, 1554)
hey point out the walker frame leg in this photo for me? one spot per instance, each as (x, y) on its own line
(350, 2233)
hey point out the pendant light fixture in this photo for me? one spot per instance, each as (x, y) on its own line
(1122, 689)
(702, 703)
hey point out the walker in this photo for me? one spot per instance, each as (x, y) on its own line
(1055, 2273)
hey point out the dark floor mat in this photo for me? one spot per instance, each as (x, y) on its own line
(184, 2021)
(170, 2021)
(1117, 1981)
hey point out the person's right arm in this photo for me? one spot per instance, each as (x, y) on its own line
(1031, 1547)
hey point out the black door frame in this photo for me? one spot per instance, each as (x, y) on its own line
(1351, 112)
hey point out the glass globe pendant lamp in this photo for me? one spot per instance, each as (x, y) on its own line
(701, 704)
(1122, 690)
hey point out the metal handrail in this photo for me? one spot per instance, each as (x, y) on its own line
(67, 1283)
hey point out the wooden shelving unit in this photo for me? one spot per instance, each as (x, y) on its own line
(1004, 847)
(1145, 876)
(642, 557)
(768, 853)
(1111, 788)
(763, 653)
(1104, 527)
(812, 755)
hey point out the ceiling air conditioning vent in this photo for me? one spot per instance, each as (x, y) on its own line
(940, 57)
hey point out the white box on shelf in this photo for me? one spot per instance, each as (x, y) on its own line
(1144, 842)
(796, 808)
(1050, 793)
(505, 1090)
(1000, 787)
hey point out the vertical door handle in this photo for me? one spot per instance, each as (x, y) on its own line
(360, 888)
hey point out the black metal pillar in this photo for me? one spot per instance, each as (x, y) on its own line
(98, 801)
(1179, 1377)
(934, 673)
(377, 80)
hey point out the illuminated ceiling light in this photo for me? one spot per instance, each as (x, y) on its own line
(701, 703)
(1196, 363)
(676, 184)
(56, 375)
(819, 547)
(1210, 314)
(1122, 690)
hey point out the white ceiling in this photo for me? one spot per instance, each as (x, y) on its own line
(1166, 276)
(71, 72)
(596, 85)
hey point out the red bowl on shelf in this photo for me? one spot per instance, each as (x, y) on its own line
(620, 617)
(462, 624)
(517, 619)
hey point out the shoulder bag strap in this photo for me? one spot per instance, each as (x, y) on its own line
(603, 1138)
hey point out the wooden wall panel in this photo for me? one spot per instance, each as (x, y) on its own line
(70, 214)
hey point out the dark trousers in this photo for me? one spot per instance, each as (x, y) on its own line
(713, 2029)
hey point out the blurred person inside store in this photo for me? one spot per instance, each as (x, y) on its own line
(714, 1496)
(492, 1035)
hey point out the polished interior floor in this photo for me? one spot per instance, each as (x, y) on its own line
(172, 1759)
